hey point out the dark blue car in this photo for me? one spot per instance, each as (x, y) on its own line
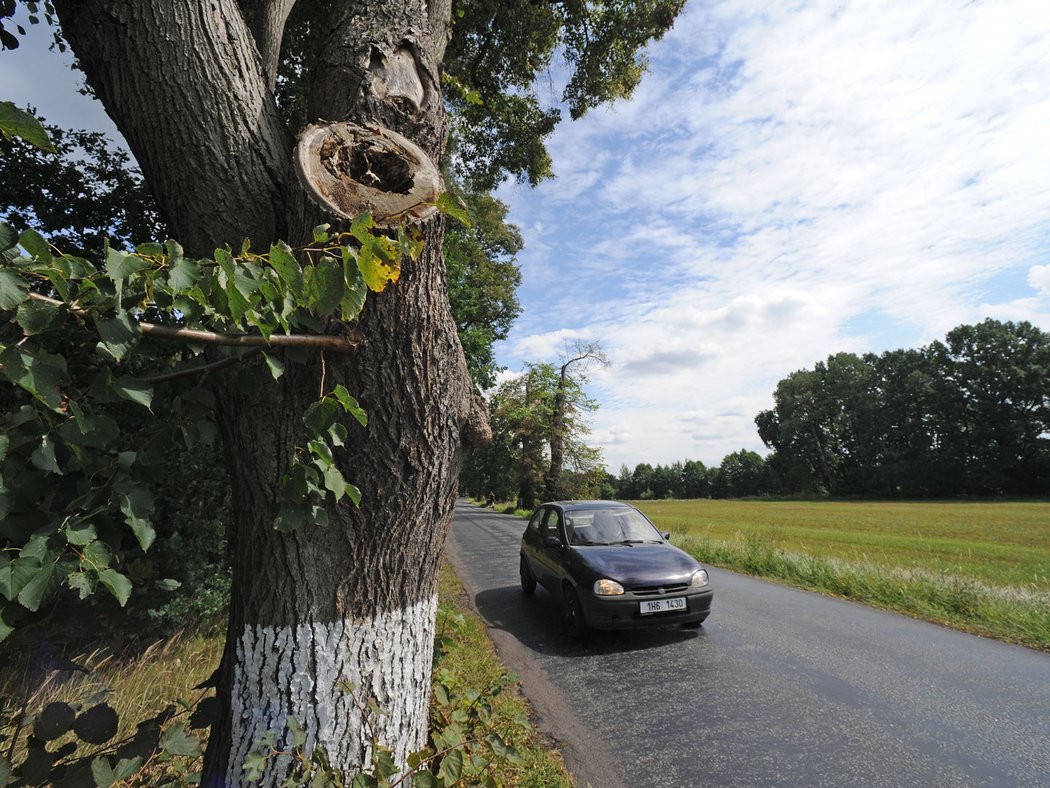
(611, 567)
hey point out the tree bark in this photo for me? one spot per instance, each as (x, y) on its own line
(351, 605)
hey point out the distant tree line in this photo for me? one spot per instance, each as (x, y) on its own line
(966, 416)
(742, 474)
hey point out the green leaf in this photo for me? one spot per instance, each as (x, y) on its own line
(98, 556)
(350, 405)
(41, 588)
(361, 226)
(354, 493)
(238, 304)
(275, 364)
(97, 725)
(291, 516)
(15, 575)
(37, 246)
(167, 584)
(337, 434)
(374, 270)
(4, 443)
(355, 291)
(450, 205)
(120, 266)
(55, 720)
(81, 534)
(150, 249)
(134, 390)
(127, 767)
(44, 456)
(82, 583)
(323, 286)
(41, 374)
(296, 729)
(177, 740)
(119, 335)
(137, 506)
(36, 317)
(8, 237)
(117, 584)
(451, 767)
(322, 452)
(321, 234)
(334, 481)
(15, 122)
(287, 267)
(13, 289)
(321, 415)
(185, 273)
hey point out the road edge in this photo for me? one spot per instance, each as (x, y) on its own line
(585, 757)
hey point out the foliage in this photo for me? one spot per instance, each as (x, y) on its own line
(78, 483)
(79, 193)
(482, 278)
(497, 50)
(524, 422)
(44, 9)
(968, 416)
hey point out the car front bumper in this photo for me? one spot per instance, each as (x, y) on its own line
(624, 612)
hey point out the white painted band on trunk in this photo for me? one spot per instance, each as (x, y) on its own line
(283, 672)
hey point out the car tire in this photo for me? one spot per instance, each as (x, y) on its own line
(528, 580)
(574, 617)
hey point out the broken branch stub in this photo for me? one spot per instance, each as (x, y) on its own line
(350, 169)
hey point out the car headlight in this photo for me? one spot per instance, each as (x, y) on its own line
(606, 587)
(699, 579)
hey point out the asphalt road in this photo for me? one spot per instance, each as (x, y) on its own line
(779, 687)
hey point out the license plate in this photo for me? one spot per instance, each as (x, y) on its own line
(663, 605)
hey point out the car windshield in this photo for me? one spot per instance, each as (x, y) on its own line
(609, 526)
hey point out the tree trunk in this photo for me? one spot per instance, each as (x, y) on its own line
(322, 619)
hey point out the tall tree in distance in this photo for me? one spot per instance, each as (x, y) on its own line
(568, 404)
(326, 623)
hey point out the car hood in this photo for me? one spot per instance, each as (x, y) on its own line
(640, 564)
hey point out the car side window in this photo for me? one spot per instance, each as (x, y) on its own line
(552, 524)
(534, 523)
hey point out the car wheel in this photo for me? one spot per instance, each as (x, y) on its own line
(528, 580)
(574, 613)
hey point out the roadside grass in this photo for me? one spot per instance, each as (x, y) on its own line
(471, 661)
(983, 567)
(141, 686)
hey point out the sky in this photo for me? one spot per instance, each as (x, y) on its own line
(790, 180)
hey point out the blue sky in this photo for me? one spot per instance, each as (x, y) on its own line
(787, 183)
(791, 180)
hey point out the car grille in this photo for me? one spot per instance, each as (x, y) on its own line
(659, 590)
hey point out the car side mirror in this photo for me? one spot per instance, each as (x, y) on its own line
(552, 541)
(666, 535)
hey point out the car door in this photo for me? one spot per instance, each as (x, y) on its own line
(551, 554)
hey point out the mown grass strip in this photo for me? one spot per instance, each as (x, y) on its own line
(1016, 615)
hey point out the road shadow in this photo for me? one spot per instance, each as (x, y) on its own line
(537, 622)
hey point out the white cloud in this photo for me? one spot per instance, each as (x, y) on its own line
(782, 172)
(1039, 278)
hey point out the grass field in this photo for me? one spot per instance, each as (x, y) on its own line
(979, 566)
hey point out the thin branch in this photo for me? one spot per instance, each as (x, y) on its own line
(344, 343)
(199, 369)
